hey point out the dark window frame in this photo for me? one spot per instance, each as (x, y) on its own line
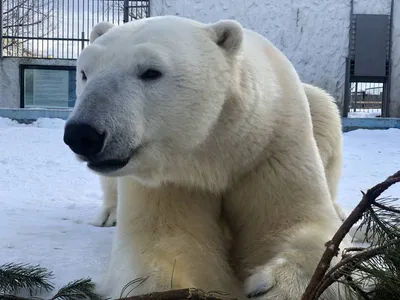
(23, 67)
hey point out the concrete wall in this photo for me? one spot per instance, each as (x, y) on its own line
(372, 6)
(9, 77)
(313, 34)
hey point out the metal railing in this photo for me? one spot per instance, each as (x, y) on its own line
(366, 99)
(59, 28)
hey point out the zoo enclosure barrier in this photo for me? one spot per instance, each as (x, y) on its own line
(368, 65)
(59, 28)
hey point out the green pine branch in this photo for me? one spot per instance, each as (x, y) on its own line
(375, 271)
(132, 285)
(76, 290)
(371, 272)
(17, 277)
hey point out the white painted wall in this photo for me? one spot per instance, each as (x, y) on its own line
(372, 6)
(313, 34)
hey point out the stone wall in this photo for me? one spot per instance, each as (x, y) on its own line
(314, 35)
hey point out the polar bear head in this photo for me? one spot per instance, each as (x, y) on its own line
(150, 91)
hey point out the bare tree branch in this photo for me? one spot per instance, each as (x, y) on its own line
(348, 265)
(333, 245)
(21, 24)
(24, 18)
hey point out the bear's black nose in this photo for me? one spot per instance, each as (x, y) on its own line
(83, 139)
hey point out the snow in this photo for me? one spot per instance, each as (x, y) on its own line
(365, 113)
(47, 197)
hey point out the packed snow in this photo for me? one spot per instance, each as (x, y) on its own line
(365, 113)
(48, 198)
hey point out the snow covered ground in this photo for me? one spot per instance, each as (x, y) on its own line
(47, 198)
(365, 113)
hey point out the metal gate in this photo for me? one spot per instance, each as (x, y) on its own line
(59, 28)
(367, 86)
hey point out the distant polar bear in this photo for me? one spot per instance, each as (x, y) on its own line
(204, 125)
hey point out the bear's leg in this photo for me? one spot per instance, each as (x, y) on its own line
(170, 237)
(108, 214)
(281, 218)
(286, 276)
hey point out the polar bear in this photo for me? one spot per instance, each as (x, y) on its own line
(204, 125)
(327, 133)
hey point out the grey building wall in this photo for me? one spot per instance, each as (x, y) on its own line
(9, 77)
(313, 34)
(372, 6)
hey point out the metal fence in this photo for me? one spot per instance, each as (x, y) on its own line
(59, 28)
(366, 99)
(368, 66)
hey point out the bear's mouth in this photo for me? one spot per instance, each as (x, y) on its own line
(108, 165)
(111, 165)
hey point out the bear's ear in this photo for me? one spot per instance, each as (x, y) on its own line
(99, 29)
(227, 34)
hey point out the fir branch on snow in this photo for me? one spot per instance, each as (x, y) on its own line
(382, 270)
(13, 297)
(17, 277)
(370, 265)
(77, 290)
(135, 283)
(373, 273)
(381, 221)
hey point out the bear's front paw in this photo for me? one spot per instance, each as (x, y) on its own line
(277, 280)
(107, 217)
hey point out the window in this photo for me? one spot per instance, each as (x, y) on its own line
(47, 86)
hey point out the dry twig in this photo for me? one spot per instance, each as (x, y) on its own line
(348, 264)
(333, 245)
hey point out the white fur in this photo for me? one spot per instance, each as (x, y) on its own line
(327, 128)
(108, 214)
(224, 137)
(327, 133)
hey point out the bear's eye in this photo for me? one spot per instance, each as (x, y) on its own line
(150, 74)
(83, 75)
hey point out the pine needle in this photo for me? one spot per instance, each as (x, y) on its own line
(137, 282)
(77, 290)
(13, 297)
(382, 221)
(17, 277)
